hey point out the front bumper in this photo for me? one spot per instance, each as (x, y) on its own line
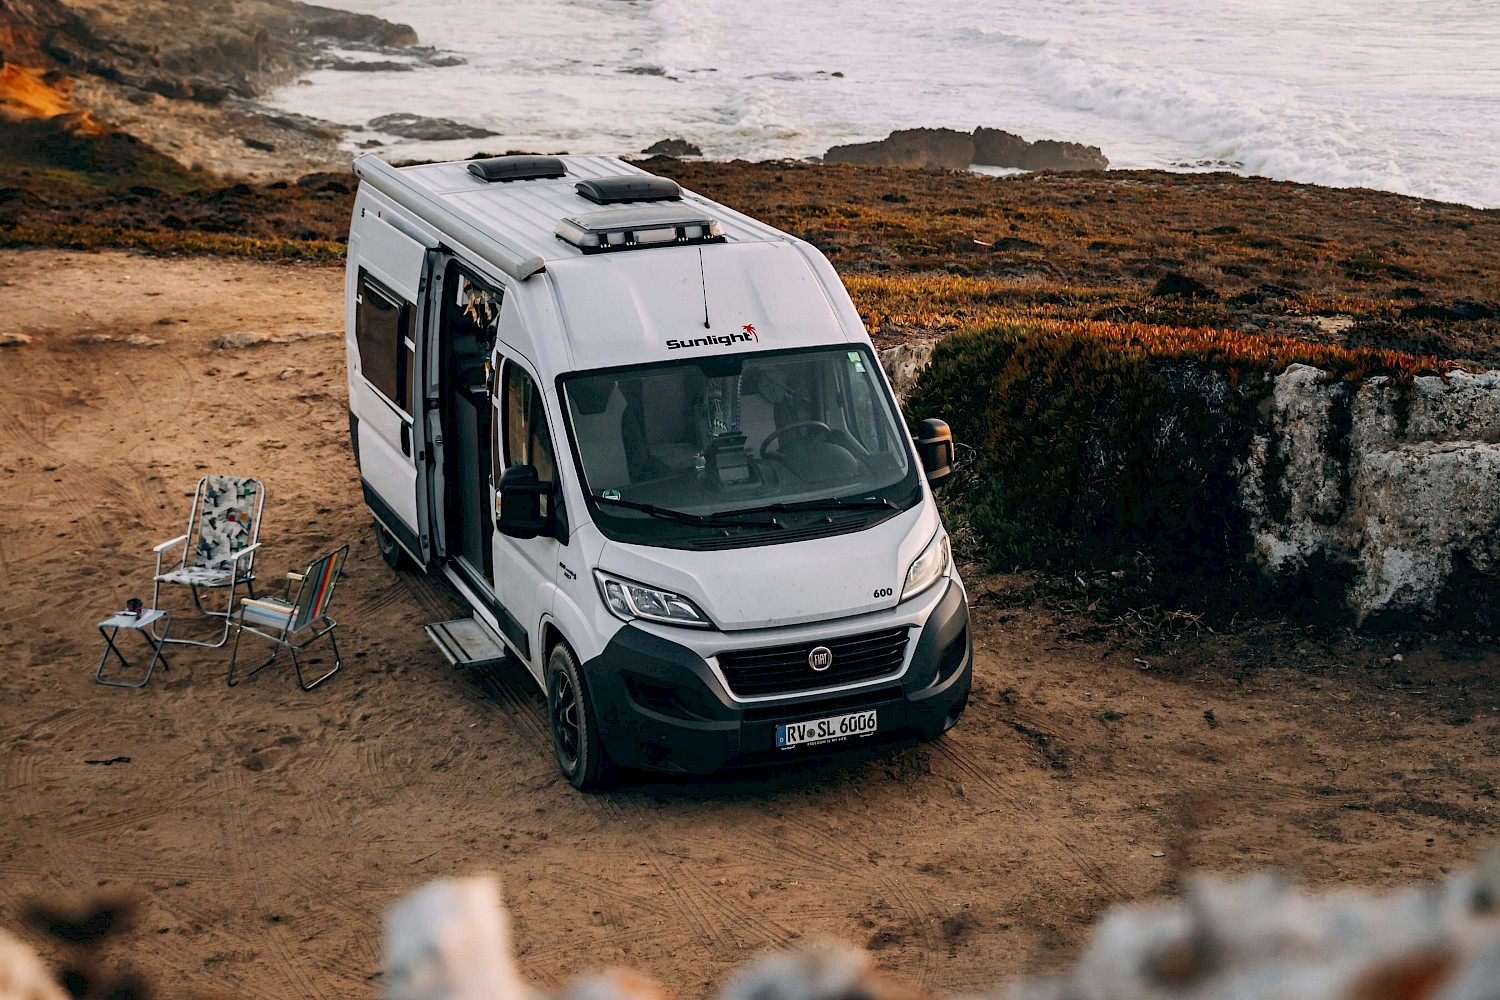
(662, 705)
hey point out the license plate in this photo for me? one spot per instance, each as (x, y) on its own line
(829, 730)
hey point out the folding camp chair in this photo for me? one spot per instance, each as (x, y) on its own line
(225, 521)
(294, 624)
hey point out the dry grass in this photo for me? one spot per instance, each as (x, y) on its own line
(928, 252)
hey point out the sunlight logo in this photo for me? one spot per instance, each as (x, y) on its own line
(746, 335)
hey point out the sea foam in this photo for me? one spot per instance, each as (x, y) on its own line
(1401, 95)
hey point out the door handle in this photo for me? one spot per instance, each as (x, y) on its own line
(406, 439)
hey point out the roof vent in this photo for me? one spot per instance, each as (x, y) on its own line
(517, 168)
(639, 229)
(629, 187)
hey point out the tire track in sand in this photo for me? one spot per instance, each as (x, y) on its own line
(947, 749)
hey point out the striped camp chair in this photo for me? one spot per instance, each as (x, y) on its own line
(294, 624)
(218, 548)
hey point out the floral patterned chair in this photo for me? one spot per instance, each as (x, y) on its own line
(225, 528)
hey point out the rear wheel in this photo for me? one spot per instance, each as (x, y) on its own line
(575, 732)
(391, 553)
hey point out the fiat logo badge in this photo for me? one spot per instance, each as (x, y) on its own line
(820, 659)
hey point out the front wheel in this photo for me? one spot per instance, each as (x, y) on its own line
(575, 732)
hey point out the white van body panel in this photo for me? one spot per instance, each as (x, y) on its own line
(768, 585)
(631, 308)
(397, 259)
(577, 611)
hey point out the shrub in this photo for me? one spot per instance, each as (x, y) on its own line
(1106, 444)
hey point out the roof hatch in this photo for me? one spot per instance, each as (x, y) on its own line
(639, 228)
(628, 187)
(517, 168)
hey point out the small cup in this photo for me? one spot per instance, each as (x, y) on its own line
(133, 607)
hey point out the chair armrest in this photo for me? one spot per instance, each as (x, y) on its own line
(299, 577)
(164, 546)
(242, 553)
(291, 578)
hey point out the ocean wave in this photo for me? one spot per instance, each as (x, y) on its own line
(1331, 96)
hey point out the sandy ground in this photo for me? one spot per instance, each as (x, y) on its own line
(267, 829)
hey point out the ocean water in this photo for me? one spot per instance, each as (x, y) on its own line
(1400, 95)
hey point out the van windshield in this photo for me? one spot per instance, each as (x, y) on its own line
(716, 437)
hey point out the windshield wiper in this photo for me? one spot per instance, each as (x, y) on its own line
(683, 517)
(832, 503)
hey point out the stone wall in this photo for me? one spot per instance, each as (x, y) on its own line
(1387, 493)
(1399, 484)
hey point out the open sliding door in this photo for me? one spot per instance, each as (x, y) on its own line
(392, 271)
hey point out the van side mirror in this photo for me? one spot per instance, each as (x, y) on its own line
(520, 502)
(935, 448)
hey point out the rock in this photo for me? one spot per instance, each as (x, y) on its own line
(904, 364)
(1390, 491)
(366, 66)
(14, 340)
(242, 339)
(22, 974)
(995, 148)
(450, 940)
(947, 149)
(409, 126)
(367, 29)
(934, 148)
(672, 147)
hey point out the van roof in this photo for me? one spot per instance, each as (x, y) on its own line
(520, 216)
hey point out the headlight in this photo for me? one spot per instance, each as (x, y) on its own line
(928, 567)
(628, 600)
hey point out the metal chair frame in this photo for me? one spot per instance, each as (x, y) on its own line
(309, 611)
(245, 557)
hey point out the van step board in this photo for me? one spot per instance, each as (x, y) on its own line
(467, 642)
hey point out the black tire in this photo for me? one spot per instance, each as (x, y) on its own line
(575, 732)
(391, 553)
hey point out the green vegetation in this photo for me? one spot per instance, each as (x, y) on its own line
(1112, 446)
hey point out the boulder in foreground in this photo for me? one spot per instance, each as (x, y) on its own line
(1258, 938)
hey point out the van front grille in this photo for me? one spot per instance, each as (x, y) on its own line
(823, 706)
(785, 669)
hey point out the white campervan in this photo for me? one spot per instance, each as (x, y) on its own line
(648, 440)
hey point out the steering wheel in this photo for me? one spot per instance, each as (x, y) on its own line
(824, 433)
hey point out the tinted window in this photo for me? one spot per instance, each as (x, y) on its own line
(382, 329)
(813, 428)
(527, 440)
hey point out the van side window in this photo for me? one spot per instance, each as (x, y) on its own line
(527, 439)
(382, 329)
